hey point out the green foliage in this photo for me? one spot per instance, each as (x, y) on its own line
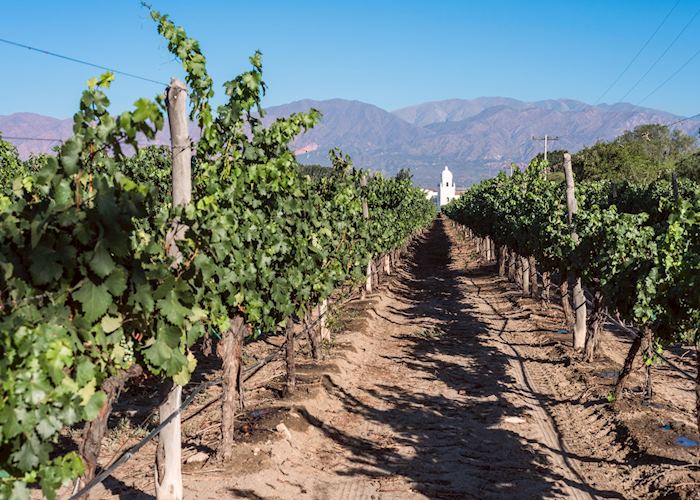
(151, 165)
(11, 166)
(86, 285)
(404, 174)
(82, 272)
(689, 166)
(642, 155)
(315, 171)
(555, 159)
(635, 243)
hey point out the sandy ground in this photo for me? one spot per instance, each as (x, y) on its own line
(446, 383)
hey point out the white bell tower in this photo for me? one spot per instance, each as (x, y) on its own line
(446, 189)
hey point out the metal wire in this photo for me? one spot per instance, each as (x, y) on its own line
(80, 61)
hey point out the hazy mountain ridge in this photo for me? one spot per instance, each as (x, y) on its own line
(474, 137)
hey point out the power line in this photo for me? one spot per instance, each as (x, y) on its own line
(683, 120)
(13, 138)
(670, 77)
(673, 42)
(638, 53)
(79, 61)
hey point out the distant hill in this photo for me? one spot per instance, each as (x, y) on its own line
(474, 137)
(34, 126)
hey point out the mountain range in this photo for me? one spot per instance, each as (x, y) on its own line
(474, 137)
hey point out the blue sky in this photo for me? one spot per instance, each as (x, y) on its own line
(388, 53)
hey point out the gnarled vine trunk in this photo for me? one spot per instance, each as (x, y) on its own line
(230, 349)
(512, 273)
(597, 320)
(648, 349)
(502, 258)
(629, 360)
(532, 265)
(289, 357)
(565, 300)
(95, 430)
(546, 285)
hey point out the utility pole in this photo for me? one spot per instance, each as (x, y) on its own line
(546, 140)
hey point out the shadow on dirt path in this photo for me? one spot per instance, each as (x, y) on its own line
(434, 402)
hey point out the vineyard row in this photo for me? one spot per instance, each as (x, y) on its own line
(636, 248)
(115, 266)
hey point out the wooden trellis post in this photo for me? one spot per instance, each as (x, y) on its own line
(169, 453)
(579, 297)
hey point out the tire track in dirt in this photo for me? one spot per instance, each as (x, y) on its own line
(582, 437)
(558, 451)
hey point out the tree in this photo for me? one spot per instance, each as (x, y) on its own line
(641, 155)
(555, 159)
(315, 171)
(404, 174)
(689, 166)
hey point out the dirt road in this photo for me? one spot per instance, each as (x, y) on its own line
(447, 384)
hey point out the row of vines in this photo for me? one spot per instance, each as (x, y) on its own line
(635, 249)
(103, 277)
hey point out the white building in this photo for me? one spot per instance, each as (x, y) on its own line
(429, 193)
(446, 189)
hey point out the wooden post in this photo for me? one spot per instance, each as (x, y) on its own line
(518, 271)
(312, 332)
(579, 298)
(502, 257)
(512, 266)
(532, 266)
(169, 454)
(322, 311)
(368, 281)
(365, 215)
(648, 349)
(525, 275)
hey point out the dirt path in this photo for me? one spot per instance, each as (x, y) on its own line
(448, 384)
(430, 401)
